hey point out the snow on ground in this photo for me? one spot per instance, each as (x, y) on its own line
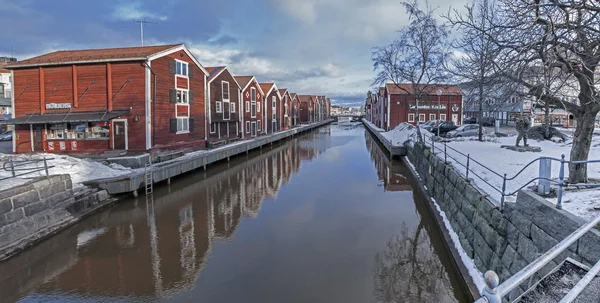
(405, 132)
(81, 170)
(372, 125)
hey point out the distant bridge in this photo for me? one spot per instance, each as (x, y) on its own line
(347, 116)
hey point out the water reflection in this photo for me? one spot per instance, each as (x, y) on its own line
(317, 241)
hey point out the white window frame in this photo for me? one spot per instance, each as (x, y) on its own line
(443, 117)
(258, 126)
(421, 118)
(253, 94)
(226, 105)
(274, 101)
(213, 128)
(285, 106)
(247, 127)
(431, 117)
(179, 68)
(186, 129)
(258, 107)
(223, 91)
(218, 107)
(411, 117)
(232, 104)
(182, 100)
(247, 106)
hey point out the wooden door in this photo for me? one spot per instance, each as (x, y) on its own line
(253, 129)
(119, 135)
(38, 145)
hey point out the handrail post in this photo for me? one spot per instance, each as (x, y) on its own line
(12, 168)
(432, 145)
(503, 190)
(468, 161)
(46, 166)
(561, 180)
(489, 292)
(445, 154)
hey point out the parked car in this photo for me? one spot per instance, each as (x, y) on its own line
(470, 120)
(6, 136)
(467, 130)
(488, 121)
(444, 127)
(429, 124)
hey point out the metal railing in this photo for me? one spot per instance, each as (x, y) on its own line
(494, 291)
(19, 168)
(544, 178)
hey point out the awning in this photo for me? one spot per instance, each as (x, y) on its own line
(66, 117)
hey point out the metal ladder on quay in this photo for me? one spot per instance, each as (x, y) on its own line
(148, 179)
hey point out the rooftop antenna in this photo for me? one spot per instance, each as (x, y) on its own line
(142, 22)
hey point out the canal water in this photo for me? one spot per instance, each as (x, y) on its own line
(325, 217)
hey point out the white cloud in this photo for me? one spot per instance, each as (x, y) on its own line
(302, 10)
(134, 11)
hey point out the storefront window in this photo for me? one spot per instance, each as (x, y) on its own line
(78, 131)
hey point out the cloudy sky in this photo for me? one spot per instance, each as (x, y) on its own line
(308, 46)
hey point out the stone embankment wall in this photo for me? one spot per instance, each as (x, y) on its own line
(32, 211)
(504, 241)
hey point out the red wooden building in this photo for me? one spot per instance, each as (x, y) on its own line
(137, 99)
(273, 106)
(399, 106)
(286, 106)
(295, 109)
(306, 109)
(224, 114)
(252, 96)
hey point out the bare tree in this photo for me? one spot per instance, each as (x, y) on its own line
(475, 62)
(416, 56)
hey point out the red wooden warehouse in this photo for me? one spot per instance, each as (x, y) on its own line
(224, 106)
(252, 97)
(137, 99)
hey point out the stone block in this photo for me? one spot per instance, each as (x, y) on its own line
(14, 216)
(541, 239)
(461, 184)
(521, 223)
(68, 184)
(472, 195)
(486, 209)
(5, 206)
(482, 249)
(467, 247)
(589, 247)
(52, 189)
(35, 208)
(518, 263)
(41, 219)
(3, 221)
(508, 256)
(512, 234)
(527, 249)
(102, 195)
(495, 263)
(41, 183)
(15, 191)
(468, 210)
(479, 222)
(25, 198)
(58, 200)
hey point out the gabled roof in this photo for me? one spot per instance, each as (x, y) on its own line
(268, 87)
(293, 96)
(304, 98)
(215, 72)
(244, 81)
(282, 91)
(430, 89)
(4, 70)
(141, 53)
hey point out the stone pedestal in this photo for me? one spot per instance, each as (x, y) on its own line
(522, 149)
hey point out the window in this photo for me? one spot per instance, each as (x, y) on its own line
(183, 125)
(225, 88)
(78, 131)
(233, 107)
(258, 107)
(182, 68)
(258, 125)
(274, 102)
(182, 96)
(213, 128)
(411, 117)
(384, 117)
(247, 106)
(253, 94)
(285, 106)
(247, 127)
(2, 88)
(443, 117)
(218, 108)
(421, 117)
(431, 117)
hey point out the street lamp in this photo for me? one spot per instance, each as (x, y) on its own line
(398, 103)
(439, 93)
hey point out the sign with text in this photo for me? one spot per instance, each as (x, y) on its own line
(428, 106)
(62, 145)
(58, 105)
(73, 145)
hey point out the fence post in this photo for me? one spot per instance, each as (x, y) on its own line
(46, 166)
(12, 167)
(544, 176)
(561, 180)
(445, 154)
(432, 145)
(468, 161)
(503, 190)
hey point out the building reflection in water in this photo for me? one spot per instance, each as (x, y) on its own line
(391, 173)
(130, 251)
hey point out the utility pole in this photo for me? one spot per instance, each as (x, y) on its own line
(142, 22)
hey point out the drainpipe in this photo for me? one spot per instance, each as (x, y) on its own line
(153, 107)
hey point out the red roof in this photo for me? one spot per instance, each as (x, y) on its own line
(430, 89)
(293, 95)
(104, 55)
(304, 98)
(243, 80)
(282, 91)
(4, 70)
(266, 87)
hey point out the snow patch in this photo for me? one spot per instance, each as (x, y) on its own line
(405, 132)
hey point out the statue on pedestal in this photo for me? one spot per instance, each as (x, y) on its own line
(523, 124)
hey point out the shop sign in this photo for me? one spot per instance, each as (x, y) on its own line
(73, 145)
(62, 145)
(58, 105)
(50, 146)
(429, 106)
